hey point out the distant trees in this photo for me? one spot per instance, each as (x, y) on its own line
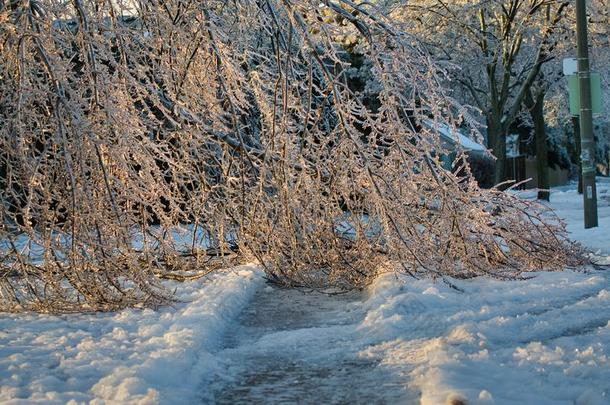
(497, 50)
(600, 55)
(135, 137)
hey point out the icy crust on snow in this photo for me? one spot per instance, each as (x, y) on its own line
(132, 356)
(545, 340)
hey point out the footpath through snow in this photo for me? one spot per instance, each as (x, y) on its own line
(237, 340)
(308, 348)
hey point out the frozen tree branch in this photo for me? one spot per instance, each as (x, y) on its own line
(168, 138)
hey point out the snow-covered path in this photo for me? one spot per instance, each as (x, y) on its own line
(295, 347)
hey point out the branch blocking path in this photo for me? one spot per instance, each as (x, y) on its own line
(234, 339)
(295, 347)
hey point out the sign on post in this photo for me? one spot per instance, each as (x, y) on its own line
(570, 66)
(574, 93)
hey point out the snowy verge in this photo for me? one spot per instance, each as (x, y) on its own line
(132, 356)
(544, 340)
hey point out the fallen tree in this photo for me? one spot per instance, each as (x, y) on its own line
(136, 139)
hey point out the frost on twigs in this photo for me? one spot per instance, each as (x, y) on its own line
(139, 142)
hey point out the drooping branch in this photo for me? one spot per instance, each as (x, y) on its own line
(171, 138)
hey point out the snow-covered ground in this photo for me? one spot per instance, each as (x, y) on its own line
(133, 356)
(541, 341)
(569, 205)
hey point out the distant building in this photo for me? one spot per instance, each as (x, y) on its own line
(520, 166)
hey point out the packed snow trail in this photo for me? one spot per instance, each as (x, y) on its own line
(306, 348)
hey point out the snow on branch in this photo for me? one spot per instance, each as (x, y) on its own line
(164, 139)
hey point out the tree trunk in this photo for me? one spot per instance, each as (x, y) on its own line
(496, 139)
(536, 109)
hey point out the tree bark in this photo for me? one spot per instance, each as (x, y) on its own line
(500, 154)
(496, 139)
(536, 109)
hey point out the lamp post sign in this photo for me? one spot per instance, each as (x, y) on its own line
(570, 66)
(574, 93)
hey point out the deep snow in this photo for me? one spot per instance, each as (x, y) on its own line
(132, 356)
(545, 340)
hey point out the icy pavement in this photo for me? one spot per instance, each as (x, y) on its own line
(293, 347)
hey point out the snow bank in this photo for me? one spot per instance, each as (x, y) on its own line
(545, 340)
(539, 341)
(132, 356)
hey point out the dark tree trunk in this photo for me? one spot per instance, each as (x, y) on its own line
(536, 109)
(496, 139)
